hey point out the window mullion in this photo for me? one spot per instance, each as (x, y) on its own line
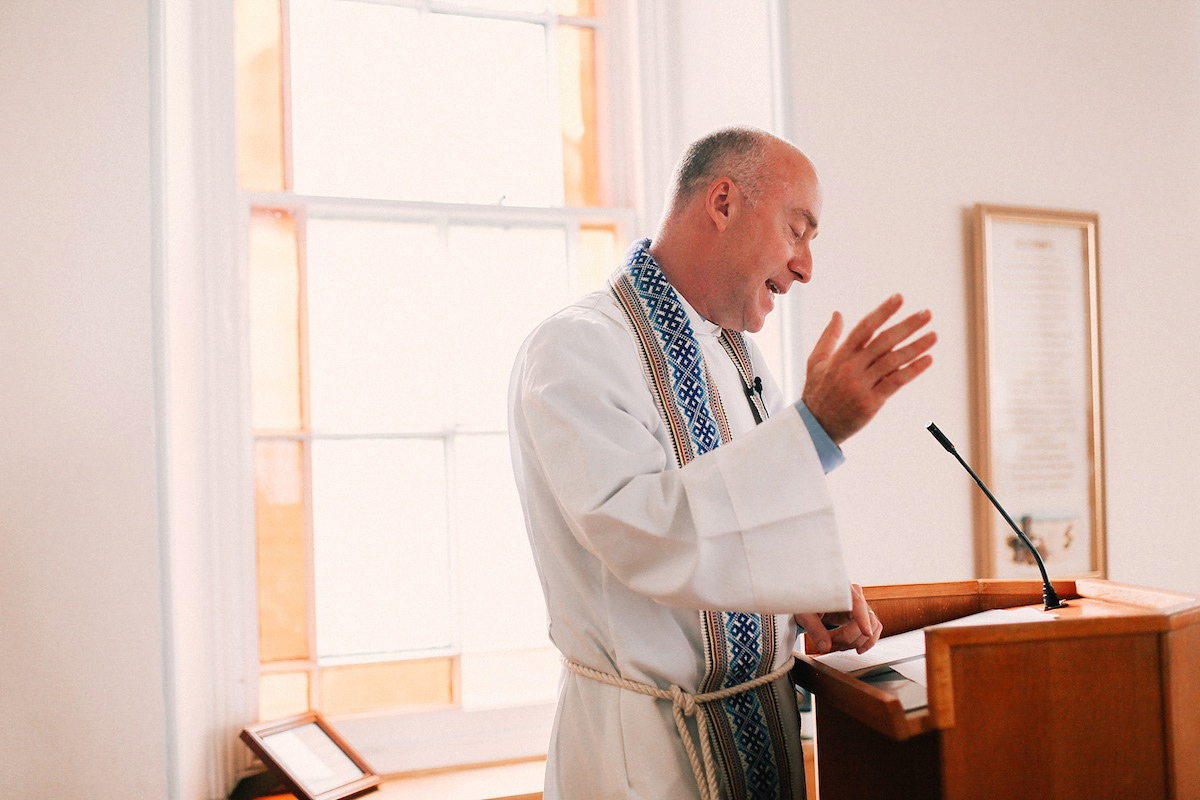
(450, 466)
(285, 73)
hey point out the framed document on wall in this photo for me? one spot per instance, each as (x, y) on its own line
(1038, 423)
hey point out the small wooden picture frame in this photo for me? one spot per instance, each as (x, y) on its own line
(314, 762)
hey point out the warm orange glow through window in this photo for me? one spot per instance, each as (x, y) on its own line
(282, 551)
(259, 95)
(400, 684)
(274, 321)
(577, 8)
(577, 73)
(599, 253)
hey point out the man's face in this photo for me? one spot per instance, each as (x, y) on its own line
(765, 246)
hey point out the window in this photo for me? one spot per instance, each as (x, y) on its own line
(421, 182)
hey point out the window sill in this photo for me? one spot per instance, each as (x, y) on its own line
(509, 781)
(449, 739)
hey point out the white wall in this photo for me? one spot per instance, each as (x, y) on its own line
(913, 112)
(82, 701)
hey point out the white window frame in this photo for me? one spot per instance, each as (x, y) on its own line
(389, 739)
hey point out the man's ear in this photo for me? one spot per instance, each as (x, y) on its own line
(720, 201)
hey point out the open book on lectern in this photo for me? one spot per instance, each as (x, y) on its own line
(896, 664)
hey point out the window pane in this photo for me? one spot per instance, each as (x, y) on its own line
(282, 554)
(600, 253)
(259, 95)
(521, 677)
(577, 74)
(390, 103)
(274, 321)
(504, 609)
(380, 546)
(378, 349)
(370, 687)
(518, 276)
(282, 694)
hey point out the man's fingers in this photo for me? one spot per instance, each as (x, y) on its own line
(828, 340)
(888, 339)
(847, 384)
(865, 329)
(872, 637)
(897, 359)
(815, 628)
(860, 629)
(859, 610)
(891, 383)
(867, 624)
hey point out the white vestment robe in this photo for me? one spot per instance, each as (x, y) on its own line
(629, 546)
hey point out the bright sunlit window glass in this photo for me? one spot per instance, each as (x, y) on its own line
(274, 288)
(379, 296)
(517, 269)
(282, 551)
(259, 95)
(392, 103)
(380, 547)
(507, 658)
(283, 694)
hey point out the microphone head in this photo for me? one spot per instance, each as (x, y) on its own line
(941, 437)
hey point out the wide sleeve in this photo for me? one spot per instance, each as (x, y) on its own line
(748, 526)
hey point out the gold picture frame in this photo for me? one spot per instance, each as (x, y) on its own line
(310, 758)
(1037, 399)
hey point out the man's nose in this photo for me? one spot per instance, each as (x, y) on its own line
(801, 264)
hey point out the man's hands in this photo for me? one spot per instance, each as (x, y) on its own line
(846, 385)
(858, 628)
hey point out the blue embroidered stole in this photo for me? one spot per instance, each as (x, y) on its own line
(747, 729)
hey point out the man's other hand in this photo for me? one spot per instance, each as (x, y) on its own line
(857, 628)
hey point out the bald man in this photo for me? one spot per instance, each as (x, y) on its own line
(676, 503)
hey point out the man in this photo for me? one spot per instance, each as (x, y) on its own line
(676, 503)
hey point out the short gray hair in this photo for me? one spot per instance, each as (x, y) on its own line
(738, 152)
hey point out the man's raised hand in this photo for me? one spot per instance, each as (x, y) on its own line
(847, 384)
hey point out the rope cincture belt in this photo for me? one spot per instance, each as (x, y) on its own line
(683, 705)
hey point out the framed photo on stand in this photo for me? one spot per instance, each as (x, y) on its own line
(1037, 404)
(310, 758)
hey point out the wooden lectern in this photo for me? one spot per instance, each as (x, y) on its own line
(1102, 702)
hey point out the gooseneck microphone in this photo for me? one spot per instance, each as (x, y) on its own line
(1048, 594)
